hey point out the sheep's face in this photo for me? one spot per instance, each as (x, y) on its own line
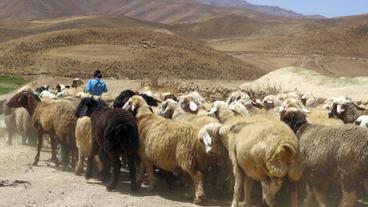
(217, 108)
(270, 187)
(134, 103)
(346, 112)
(166, 109)
(188, 104)
(76, 83)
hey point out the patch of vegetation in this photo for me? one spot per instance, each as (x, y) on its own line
(8, 84)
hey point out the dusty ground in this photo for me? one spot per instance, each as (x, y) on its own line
(49, 186)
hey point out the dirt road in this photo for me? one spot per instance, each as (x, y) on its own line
(49, 186)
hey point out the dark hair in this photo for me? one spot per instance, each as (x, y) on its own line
(97, 74)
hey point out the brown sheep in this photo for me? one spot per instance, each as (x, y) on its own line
(55, 118)
(170, 145)
(331, 153)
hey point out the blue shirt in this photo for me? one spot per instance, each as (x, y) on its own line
(96, 87)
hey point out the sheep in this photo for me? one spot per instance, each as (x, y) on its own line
(348, 112)
(339, 100)
(114, 132)
(308, 99)
(9, 118)
(272, 101)
(18, 121)
(362, 121)
(83, 135)
(238, 107)
(125, 95)
(239, 96)
(267, 152)
(293, 103)
(331, 153)
(47, 94)
(195, 99)
(167, 95)
(42, 88)
(76, 83)
(55, 118)
(170, 109)
(170, 145)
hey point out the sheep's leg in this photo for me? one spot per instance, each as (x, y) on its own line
(73, 153)
(39, 146)
(132, 173)
(104, 174)
(79, 167)
(140, 177)
(65, 149)
(321, 193)
(293, 194)
(10, 137)
(91, 156)
(149, 169)
(248, 186)
(116, 165)
(53, 150)
(349, 193)
(348, 198)
(239, 179)
(24, 139)
(198, 185)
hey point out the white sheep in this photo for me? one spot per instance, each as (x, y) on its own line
(362, 121)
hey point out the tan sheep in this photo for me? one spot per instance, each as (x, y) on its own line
(83, 136)
(266, 151)
(170, 145)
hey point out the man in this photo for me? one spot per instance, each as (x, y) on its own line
(96, 86)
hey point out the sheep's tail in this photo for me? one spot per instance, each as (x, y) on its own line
(280, 159)
(121, 137)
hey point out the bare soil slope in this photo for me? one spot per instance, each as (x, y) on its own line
(139, 54)
(305, 80)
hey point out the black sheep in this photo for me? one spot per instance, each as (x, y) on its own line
(124, 96)
(114, 132)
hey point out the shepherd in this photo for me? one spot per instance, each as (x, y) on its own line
(96, 86)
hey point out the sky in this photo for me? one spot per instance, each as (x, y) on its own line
(327, 8)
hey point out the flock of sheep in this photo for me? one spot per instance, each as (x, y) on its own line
(267, 142)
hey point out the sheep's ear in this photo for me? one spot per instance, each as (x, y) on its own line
(339, 109)
(305, 110)
(212, 111)
(193, 106)
(207, 141)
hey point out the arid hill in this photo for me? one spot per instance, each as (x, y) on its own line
(163, 11)
(137, 53)
(11, 29)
